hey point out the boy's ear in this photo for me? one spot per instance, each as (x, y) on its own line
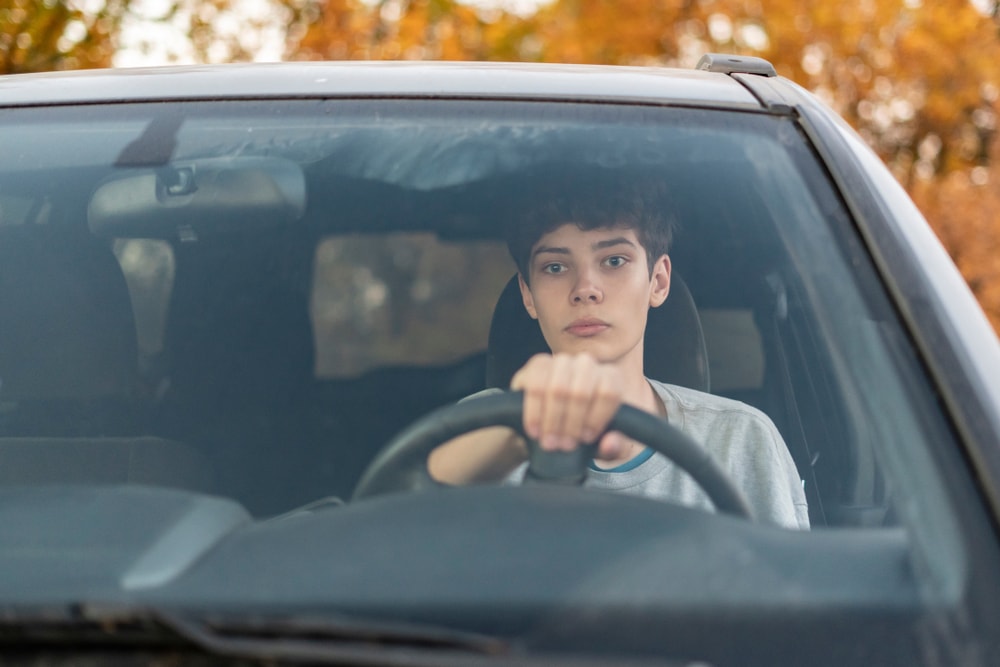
(529, 301)
(659, 282)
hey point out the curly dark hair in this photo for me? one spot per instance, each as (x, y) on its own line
(594, 203)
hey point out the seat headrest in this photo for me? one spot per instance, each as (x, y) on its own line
(674, 350)
(68, 330)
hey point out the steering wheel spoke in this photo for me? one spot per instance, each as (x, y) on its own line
(566, 468)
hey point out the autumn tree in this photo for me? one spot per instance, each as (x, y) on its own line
(48, 35)
(407, 29)
(963, 206)
(45, 35)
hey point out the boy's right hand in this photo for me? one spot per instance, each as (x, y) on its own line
(570, 399)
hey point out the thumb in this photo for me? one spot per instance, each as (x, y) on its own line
(611, 446)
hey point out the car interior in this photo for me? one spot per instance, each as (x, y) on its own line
(271, 362)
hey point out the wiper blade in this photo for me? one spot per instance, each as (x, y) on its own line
(270, 639)
(330, 640)
(377, 643)
(336, 640)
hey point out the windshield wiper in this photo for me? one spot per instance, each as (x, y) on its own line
(272, 639)
(336, 640)
(370, 643)
(323, 639)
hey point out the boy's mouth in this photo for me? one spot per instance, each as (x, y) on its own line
(587, 326)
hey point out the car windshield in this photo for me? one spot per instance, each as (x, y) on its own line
(249, 299)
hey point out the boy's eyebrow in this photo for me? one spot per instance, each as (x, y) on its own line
(620, 240)
(549, 249)
(599, 245)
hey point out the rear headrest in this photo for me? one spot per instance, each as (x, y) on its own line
(67, 331)
(674, 349)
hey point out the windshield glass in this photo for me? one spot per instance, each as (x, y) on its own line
(250, 299)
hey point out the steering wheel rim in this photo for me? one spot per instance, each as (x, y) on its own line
(402, 464)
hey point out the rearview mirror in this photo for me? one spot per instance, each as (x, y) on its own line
(199, 197)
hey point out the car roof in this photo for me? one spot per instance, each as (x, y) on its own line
(657, 85)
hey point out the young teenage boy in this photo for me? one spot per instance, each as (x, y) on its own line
(589, 271)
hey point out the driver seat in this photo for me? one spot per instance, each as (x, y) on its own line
(674, 350)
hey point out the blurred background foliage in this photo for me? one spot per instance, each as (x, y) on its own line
(919, 79)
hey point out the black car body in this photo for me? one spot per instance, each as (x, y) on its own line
(224, 290)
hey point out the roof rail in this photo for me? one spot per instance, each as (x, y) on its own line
(730, 64)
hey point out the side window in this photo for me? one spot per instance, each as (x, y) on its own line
(385, 300)
(148, 265)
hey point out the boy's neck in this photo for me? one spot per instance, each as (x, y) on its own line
(638, 392)
(633, 379)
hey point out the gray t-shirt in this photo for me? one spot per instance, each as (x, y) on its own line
(741, 439)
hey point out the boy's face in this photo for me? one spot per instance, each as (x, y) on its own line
(591, 291)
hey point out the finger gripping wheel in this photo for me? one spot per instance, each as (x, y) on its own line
(402, 464)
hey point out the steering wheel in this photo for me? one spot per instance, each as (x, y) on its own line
(402, 464)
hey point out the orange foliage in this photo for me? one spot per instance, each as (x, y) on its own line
(405, 29)
(964, 209)
(40, 36)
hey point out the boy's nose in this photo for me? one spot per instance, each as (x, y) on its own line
(587, 291)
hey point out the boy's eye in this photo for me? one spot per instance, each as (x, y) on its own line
(615, 261)
(554, 267)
